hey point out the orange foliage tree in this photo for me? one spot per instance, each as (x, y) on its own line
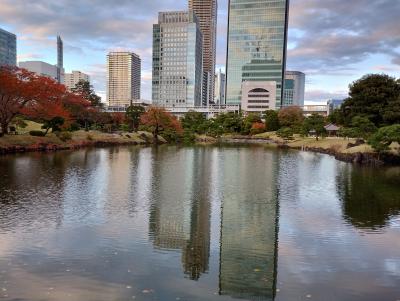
(291, 117)
(158, 120)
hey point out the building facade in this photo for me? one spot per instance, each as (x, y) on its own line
(334, 104)
(71, 79)
(258, 97)
(42, 69)
(220, 82)
(177, 60)
(8, 48)
(293, 94)
(257, 39)
(123, 78)
(207, 11)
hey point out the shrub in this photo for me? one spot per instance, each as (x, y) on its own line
(37, 133)
(257, 128)
(74, 127)
(64, 136)
(285, 133)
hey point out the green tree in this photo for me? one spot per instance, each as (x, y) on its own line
(228, 123)
(194, 122)
(271, 120)
(54, 124)
(384, 137)
(372, 96)
(314, 123)
(133, 114)
(391, 114)
(363, 127)
(86, 91)
(336, 117)
(291, 117)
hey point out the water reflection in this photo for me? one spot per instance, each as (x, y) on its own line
(180, 218)
(195, 224)
(370, 197)
(249, 226)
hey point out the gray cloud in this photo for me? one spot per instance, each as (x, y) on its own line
(335, 33)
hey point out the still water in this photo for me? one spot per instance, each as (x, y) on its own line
(200, 223)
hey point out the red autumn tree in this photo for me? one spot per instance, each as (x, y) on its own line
(18, 87)
(257, 128)
(158, 120)
(50, 104)
(39, 97)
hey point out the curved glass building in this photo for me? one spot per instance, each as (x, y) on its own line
(257, 42)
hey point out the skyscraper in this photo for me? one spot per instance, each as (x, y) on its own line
(8, 48)
(220, 82)
(257, 39)
(123, 78)
(60, 60)
(177, 60)
(206, 11)
(71, 79)
(294, 89)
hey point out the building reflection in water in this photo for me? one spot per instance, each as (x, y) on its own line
(181, 220)
(249, 227)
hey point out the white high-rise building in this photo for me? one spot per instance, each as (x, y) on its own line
(293, 94)
(123, 78)
(177, 60)
(71, 79)
(220, 82)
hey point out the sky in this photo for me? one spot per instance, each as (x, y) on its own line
(333, 41)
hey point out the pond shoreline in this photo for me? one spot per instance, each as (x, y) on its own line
(51, 143)
(361, 158)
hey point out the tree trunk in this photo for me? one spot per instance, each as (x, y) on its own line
(155, 136)
(4, 129)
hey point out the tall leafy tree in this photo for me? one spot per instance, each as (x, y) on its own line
(271, 120)
(373, 96)
(133, 114)
(85, 90)
(291, 117)
(314, 123)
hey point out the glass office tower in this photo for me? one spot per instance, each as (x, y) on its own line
(8, 48)
(177, 60)
(257, 38)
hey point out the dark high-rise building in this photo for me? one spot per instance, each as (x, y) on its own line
(206, 11)
(8, 48)
(60, 60)
(257, 39)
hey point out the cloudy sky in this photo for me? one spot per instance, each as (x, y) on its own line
(333, 41)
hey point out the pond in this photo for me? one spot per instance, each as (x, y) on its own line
(197, 223)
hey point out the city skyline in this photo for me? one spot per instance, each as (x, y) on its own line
(317, 33)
